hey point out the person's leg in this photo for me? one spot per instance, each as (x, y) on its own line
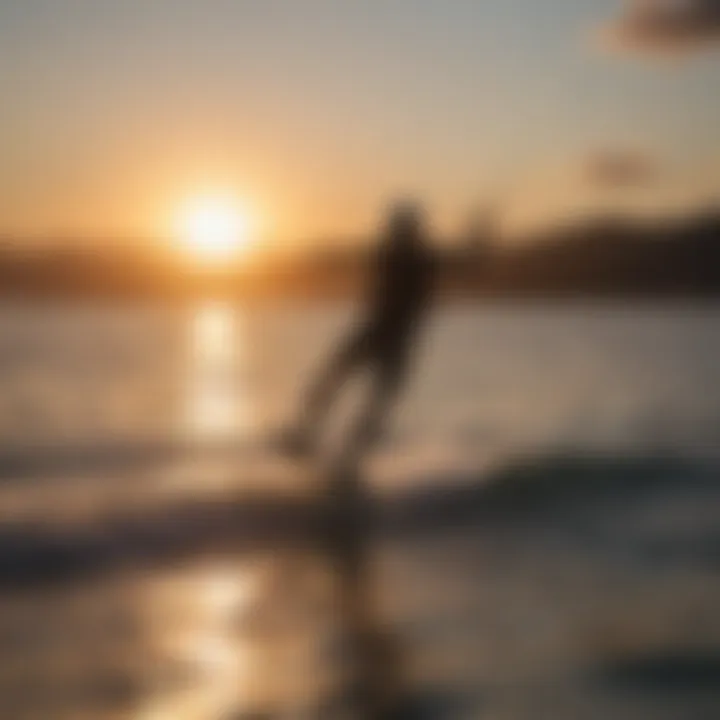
(352, 352)
(390, 371)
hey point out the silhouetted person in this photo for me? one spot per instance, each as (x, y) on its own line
(401, 289)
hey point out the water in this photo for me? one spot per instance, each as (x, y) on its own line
(509, 378)
(548, 541)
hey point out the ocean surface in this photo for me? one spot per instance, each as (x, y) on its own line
(546, 504)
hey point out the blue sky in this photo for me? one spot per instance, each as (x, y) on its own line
(317, 110)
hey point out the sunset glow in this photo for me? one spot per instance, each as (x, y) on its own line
(214, 229)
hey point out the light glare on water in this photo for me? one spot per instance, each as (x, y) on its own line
(217, 405)
(200, 612)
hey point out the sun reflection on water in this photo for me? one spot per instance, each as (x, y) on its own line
(217, 403)
(196, 624)
(194, 616)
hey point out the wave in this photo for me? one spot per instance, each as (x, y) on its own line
(590, 499)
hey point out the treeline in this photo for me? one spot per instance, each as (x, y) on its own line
(601, 257)
(606, 257)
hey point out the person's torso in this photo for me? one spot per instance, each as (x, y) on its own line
(404, 283)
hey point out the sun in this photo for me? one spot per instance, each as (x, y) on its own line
(214, 229)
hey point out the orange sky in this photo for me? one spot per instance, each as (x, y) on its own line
(314, 113)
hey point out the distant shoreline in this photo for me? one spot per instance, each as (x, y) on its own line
(593, 259)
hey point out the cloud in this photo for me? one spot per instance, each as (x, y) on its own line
(611, 169)
(665, 26)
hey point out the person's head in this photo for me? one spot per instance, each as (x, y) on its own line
(406, 223)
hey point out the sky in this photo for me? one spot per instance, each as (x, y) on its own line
(316, 112)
